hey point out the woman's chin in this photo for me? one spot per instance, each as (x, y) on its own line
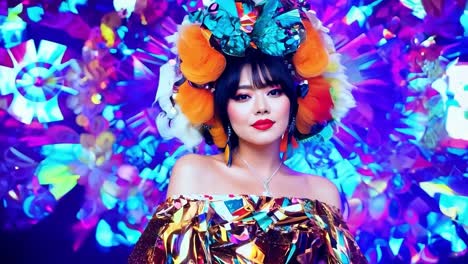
(263, 140)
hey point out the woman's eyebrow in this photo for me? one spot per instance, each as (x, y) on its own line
(246, 86)
(251, 87)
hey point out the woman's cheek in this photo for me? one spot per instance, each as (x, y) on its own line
(236, 112)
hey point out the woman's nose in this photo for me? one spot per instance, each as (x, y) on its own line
(262, 105)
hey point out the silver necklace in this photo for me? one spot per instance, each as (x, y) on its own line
(266, 181)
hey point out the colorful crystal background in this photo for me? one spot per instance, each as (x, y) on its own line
(77, 83)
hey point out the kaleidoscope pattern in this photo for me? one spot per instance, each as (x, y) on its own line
(399, 157)
(36, 79)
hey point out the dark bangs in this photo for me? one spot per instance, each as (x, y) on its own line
(266, 71)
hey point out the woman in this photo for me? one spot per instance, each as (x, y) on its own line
(253, 99)
(245, 205)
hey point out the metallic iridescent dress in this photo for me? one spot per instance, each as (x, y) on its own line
(245, 229)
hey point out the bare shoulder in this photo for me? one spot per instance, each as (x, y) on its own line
(184, 178)
(325, 190)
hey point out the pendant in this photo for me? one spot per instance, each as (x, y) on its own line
(266, 186)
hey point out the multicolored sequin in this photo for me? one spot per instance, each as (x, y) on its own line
(242, 229)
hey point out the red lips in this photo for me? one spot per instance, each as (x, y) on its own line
(263, 124)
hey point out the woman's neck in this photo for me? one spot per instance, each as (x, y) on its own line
(264, 158)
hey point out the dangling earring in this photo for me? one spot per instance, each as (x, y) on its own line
(287, 137)
(227, 149)
(284, 142)
(292, 128)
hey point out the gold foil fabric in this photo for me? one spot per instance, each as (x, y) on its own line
(244, 229)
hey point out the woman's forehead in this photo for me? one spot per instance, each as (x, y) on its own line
(249, 77)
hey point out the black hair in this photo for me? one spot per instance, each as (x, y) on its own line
(266, 71)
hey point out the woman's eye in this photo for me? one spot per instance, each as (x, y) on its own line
(241, 97)
(275, 92)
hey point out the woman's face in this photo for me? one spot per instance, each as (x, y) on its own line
(258, 115)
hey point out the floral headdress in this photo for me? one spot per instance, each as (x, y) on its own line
(275, 27)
